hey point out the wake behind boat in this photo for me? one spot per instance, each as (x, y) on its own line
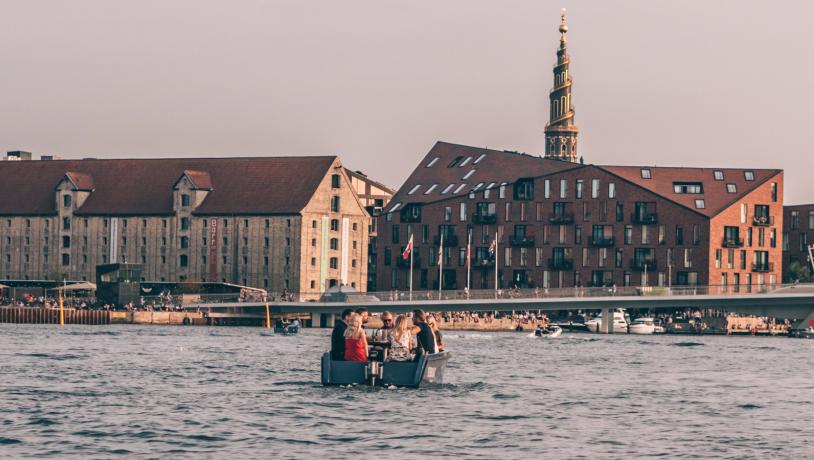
(548, 332)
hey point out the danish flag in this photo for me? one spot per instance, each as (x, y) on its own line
(406, 254)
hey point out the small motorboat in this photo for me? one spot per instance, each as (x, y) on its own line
(644, 326)
(286, 328)
(548, 332)
(428, 369)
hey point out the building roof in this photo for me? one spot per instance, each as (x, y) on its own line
(450, 170)
(80, 181)
(261, 185)
(720, 186)
(440, 173)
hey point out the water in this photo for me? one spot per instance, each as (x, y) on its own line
(194, 392)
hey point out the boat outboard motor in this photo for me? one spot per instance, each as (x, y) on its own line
(374, 370)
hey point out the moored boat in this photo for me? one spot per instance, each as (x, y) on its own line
(619, 322)
(642, 326)
(428, 369)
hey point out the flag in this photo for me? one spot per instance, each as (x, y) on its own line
(468, 254)
(406, 254)
(492, 247)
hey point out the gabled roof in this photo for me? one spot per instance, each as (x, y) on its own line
(715, 194)
(261, 185)
(450, 170)
(201, 180)
(81, 181)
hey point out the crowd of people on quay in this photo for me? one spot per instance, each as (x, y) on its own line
(400, 338)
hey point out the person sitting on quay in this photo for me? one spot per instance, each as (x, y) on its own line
(423, 332)
(402, 341)
(355, 340)
(338, 336)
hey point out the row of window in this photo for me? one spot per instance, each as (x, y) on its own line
(795, 220)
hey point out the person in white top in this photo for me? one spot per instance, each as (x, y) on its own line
(402, 341)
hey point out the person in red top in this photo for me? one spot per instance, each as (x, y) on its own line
(355, 340)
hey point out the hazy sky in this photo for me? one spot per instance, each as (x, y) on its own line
(694, 83)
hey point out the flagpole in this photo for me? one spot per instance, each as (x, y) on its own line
(441, 267)
(496, 264)
(412, 249)
(468, 263)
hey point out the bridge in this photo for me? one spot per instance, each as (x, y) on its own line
(794, 301)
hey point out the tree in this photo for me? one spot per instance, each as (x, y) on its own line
(799, 272)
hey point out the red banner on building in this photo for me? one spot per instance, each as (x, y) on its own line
(213, 250)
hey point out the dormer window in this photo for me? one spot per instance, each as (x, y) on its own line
(66, 201)
(432, 162)
(463, 163)
(718, 174)
(646, 174)
(481, 157)
(414, 189)
(184, 200)
(692, 188)
(455, 162)
(468, 175)
(731, 188)
(749, 175)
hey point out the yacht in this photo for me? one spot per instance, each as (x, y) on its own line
(619, 322)
(642, 326)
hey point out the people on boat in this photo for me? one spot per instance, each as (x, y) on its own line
(362, 311)
(383, 333)
(355, 340)
(338, 336)
(439, 337)
(423, 332)
(401, 340)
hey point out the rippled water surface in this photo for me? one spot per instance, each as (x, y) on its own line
(173, 392)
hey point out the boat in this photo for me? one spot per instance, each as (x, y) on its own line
(286, 328)
(549, 332)
(619, 322)
(428, 369)
(642, 326)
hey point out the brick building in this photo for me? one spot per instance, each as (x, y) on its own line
(798, 235)
(560, 223)
(277, 223)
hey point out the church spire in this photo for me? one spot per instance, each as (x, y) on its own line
(560, 132)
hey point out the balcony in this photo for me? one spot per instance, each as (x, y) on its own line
(561, 264)
(732, 242)
(763, 221)
(401, 263)
(450, 240)
(522, 241)
(644, 218)
(484, 218)
(483, 263)
(764, 267)
(602, 241)
(562, 218)
(640, 264)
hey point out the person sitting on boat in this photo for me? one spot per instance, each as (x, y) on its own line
(439, 338)
(355, 340)
(402, 341)
(338, 336)
(423, 332)
(362, 311)
(383, 333)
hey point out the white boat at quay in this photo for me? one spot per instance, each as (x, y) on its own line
(619, 322)
(643, 325)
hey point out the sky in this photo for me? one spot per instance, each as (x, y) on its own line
(720, 83)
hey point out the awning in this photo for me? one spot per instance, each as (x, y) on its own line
(3, 286)
(86, 286)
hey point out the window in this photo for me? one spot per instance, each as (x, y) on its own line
(693, 188)
(594, 188)
(464, 163)
(774, 191)
(468, 175)
(478, 160)
(334, 180)
(414, 189)
(66, 241)
(455, 162)
(547, 189)
(334, 243)
(457, 190)
(524, 189)
(718, 174)
(628, 234)
(446, 189)
(795, 220)
(811, 220)
(432, 162)
(183, 260)
(430, 189)
(731, 188)
(66, 223)
(66, 259)
(335, 225)
(646, 174)
(502, 191)
(395, 235)
(749, 175)
(388, 255)
(611, 190)
(184, 200)
(184, 242)
(334, 204)
(700, 204)
(463, 212)
(563, 188)
(579, 189)
(66, 201)
(185, 223)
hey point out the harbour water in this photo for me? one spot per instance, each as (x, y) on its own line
(197, 392)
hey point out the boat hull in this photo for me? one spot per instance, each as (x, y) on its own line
(553, 332)
(429, 369)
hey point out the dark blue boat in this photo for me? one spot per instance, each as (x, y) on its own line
(428, 369)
